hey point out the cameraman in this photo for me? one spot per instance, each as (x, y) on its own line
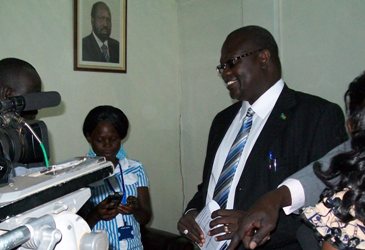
(18, 77)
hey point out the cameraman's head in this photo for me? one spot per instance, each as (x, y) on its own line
(17, 77)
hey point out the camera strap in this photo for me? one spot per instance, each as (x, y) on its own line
(116, 186)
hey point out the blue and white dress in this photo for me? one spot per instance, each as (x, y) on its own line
(133, 177)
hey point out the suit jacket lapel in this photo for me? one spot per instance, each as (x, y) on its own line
(272, 130)
(277, 120)
(217, 133)
(274, 125)
(226, 123)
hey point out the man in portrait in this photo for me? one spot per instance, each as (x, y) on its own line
(99, 46)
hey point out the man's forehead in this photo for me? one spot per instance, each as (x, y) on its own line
(102, 10)
(235, 46)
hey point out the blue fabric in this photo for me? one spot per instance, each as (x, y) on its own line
(134, 176)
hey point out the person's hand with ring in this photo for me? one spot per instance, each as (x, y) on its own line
(225, 223)
(226, 229)
(190, 229)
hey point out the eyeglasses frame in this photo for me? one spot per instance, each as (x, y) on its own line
(233, 61)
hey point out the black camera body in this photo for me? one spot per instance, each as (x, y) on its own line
(24, 142)
(18, 146)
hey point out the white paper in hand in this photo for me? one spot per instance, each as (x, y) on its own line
(203, 219)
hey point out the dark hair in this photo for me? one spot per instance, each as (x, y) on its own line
(355, 95)
(347, 172)
(10, 67)
(96, 6)
(260, 37)
(106, 113)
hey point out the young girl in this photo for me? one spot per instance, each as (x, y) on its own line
(339, 218)
(104, 128)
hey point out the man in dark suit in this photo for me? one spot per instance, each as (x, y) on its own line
(301, 189)
(98, 46)
(289, 130)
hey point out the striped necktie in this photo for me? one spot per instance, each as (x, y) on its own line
(223, 186)
(104, 51)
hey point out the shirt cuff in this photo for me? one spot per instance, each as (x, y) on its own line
(191, 209)
(297, 195)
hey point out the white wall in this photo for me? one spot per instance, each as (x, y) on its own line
(321, 45)
(171, 91)
(41, 32)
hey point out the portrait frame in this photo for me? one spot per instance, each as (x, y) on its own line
(86, 51)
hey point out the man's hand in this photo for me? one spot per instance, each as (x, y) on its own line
(255, 227)
(225, 223)
(188, 227)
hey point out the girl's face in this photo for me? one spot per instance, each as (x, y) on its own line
(105, 141)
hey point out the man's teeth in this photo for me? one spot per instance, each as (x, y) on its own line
(230, 82)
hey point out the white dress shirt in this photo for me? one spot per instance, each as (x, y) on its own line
(100, 43)
(297, 195)
(297, 190)
(262, 108)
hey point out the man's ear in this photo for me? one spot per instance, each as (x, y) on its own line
(264, 58)
(88, 138)
(5, 92)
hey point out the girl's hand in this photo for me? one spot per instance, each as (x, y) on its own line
(106, 210)
(131, 207)
(139, 207)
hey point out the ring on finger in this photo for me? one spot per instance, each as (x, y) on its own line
(185, 231)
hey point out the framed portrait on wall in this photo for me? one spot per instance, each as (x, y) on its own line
(100, 35)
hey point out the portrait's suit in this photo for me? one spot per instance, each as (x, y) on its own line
(301, 128)
(91, 50)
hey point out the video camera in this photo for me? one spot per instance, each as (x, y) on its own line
(38, 210)
(22, 141)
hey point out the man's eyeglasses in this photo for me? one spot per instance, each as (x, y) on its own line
(233, 61)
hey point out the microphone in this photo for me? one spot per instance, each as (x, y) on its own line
(30, 101)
